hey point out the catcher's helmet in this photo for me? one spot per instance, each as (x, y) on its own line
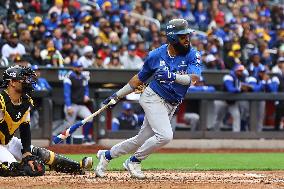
(19, 73)
(177, 27)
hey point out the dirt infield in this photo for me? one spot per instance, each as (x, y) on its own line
(155, 180)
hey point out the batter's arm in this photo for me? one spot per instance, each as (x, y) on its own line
(187, 79)
(133, 83)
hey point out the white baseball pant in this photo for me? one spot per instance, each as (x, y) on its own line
(155, 132)
(12, 151)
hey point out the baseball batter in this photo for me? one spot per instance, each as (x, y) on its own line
(174, 66)
(15, 105)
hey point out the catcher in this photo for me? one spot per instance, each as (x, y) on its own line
(15, 105)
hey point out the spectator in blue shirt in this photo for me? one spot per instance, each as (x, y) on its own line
(127, 120)
(202, 17)
(262, 83)
(76, 96)
(52, 22)
(255, 64)
(233, 84)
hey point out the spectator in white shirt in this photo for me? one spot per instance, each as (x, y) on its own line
(87, 60)
(277, 68)
(130, 60)
(13, 47)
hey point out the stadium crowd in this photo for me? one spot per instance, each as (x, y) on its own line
(106, 33)
(118, 34)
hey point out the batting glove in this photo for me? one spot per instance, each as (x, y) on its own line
(113, 97)
(165, 76)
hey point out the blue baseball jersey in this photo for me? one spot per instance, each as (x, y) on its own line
(160, 59)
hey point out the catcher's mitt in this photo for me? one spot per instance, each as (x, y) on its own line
(140, 89)
(37, 163)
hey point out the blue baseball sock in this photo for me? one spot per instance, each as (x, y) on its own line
(134, 159)
(107, 155)
(68, 140)
(86, 129)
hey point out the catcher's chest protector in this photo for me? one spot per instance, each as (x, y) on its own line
(14, 116)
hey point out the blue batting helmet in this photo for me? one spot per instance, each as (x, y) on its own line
(177, 27)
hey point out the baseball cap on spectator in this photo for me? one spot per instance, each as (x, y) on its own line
(220, 19)
(47, 34)
(262, 13)
(254, 52)
(244, 20)
(244, 9)
(34, 67)
(114, 48)
(53, 15)
(99, 56)
(51, 49)
(88, 49)
(131, 47)
(77, 64)
(227, 39)
(213, 50)
(18, 58)
(210, 58)
(22, 26)
(233, 21)
(280, 59)
(20, 13)
(87, 26)
(37, 20)
(239, 67)
(105, 46)
(14, 35)
(115, 18)
(87, 8)
(126, 106)
(58, 2)
(106, 4)
(236, 47)
(262, 68)
(67, 21)
(85, 16)
(65, 16)
(88, 18)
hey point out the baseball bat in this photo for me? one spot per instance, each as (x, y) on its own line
(57, 139)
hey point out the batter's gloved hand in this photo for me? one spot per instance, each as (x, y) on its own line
(114, 99)
(165, 76)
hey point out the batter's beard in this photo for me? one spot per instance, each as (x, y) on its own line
(180, 49)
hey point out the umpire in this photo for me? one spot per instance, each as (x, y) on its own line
(76, 95)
